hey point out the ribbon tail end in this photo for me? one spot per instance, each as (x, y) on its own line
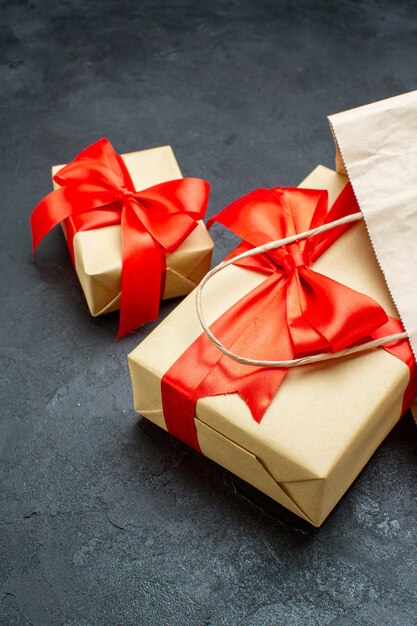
(256, 408)
(123, 332)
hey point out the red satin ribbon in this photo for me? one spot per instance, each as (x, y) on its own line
(95, 191)
(294, 312)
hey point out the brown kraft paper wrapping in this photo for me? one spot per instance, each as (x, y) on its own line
(98, 254)
(325, 421)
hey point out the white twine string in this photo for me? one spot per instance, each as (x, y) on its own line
(273, 245)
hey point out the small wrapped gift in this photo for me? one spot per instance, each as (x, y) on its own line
(133, 226)
(299, 434)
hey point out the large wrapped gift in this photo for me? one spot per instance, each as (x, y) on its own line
(299, 434)
(133, 226)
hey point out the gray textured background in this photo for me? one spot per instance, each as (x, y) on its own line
(104, 518)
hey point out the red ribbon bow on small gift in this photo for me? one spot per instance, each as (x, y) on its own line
(294, 312)
(97, 190)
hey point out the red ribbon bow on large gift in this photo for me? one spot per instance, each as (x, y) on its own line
(294, 312)
(97, 190)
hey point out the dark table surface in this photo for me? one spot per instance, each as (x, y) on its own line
(105, 519)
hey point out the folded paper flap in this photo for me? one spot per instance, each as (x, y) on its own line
(250, 436)
(246, 465)
(378, 145)
(177, 285)
(109, 307)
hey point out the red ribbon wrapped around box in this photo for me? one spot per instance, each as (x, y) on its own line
(294, 312)
(96, 190)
